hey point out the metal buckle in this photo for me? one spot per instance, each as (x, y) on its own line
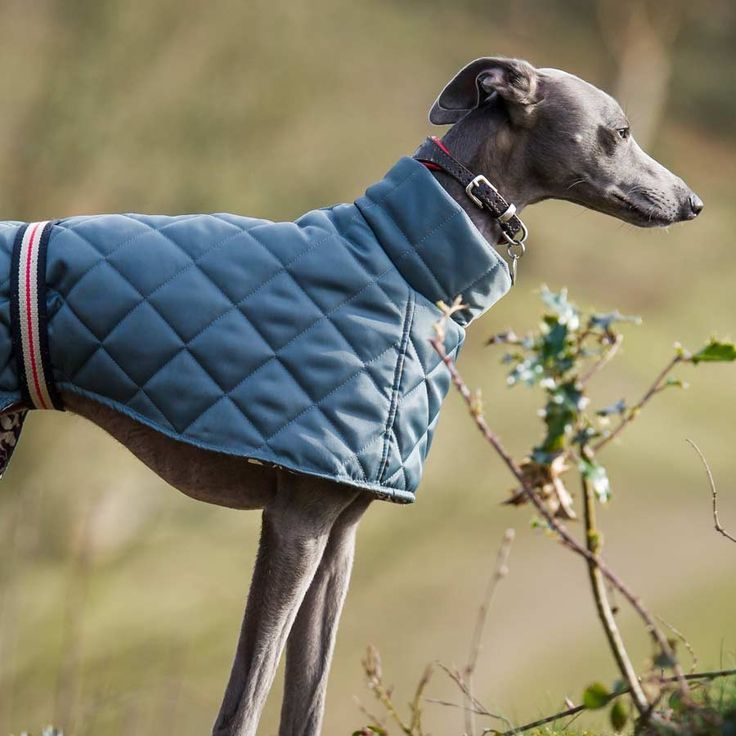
(480, 179)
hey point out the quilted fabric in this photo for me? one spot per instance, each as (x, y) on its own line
(302, 344)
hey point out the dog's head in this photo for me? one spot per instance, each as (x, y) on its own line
(564, 139)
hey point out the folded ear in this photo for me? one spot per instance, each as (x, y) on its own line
(514, 80)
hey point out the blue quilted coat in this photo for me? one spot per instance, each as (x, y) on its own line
(300, 344)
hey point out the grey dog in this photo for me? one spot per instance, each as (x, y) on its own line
(536, 134)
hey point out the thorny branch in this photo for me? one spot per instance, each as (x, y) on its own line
(713, 493)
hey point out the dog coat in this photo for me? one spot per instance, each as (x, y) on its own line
(299, 344)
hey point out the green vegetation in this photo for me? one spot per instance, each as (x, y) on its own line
(563, 356)
(120, 600)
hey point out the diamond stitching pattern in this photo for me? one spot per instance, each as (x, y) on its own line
(319, 354)
(371, 280)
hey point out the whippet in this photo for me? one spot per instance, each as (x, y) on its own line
(524, 135)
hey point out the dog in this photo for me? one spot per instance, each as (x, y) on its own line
(318, 392)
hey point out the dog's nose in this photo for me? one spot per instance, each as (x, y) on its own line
(695, 206)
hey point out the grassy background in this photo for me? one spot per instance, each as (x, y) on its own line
(120, 599)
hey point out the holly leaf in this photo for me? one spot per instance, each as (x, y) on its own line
(567, 313)
(618, 716)
(606, 321)
(715, 352)
(618, 408)
(596, 696)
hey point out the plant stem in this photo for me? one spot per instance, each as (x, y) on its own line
(579, 708)
(605, 614)
(713, 492)
(564, 535)
(632, 413)
(603, 361)
(499, 573)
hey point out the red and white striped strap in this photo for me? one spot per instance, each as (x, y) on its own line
(29, 311)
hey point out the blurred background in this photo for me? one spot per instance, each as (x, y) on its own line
(121, 599)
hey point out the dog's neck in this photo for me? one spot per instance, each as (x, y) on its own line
(482, 142)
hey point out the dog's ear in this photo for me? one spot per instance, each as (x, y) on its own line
(514, 80)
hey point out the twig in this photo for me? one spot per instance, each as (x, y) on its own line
(564, 535)
(416, 704)
(624, 691)
(372, 717)
(684, 641)
(448, 704)
(713, 492)
(603, 361)
(373, 670)
(499, 573)
(632, 413)
(597, 583)
(479, 708)
(540, 722)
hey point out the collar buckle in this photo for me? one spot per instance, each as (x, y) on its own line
(480, 179)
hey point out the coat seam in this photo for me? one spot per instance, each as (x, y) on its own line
(396, 385)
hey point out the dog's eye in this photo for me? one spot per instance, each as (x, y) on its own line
(623, 133)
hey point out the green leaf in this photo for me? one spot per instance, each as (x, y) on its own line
(605, 321)
(596, 696)
(676, 382)
(716, 352)
(618, 408)
(618, 715)
(566, 312)
(597, 477)
(675, 701)
(664, 661)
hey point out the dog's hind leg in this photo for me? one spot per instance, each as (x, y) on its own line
(312, 638)
(295, 532)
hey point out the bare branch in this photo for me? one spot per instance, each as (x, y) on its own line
(684, 641)
(657, 386)
(603, 361)
(416, 704)
(477, 706)
(598, 587)
(540, 722)
(448, 704)
(713, 492)
(500, 571)
(374, 674)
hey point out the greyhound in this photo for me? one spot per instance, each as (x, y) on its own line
(536, 134)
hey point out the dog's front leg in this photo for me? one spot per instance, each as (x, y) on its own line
(312, 639)
(295, 531)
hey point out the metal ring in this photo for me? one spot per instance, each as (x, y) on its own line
(517, 241)
(515, 254)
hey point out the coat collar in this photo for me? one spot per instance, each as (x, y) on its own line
(432, 241)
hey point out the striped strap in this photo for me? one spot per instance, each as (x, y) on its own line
(30, 338)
